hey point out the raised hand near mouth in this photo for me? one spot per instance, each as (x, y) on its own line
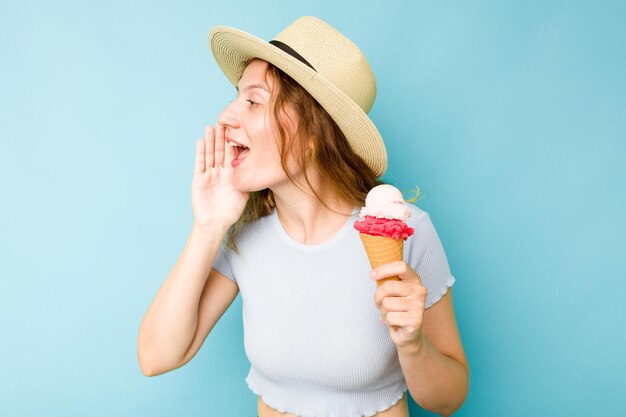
(214, 201)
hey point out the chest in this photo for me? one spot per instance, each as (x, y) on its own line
(312, 316)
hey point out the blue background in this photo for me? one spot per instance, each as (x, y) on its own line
(509, 114)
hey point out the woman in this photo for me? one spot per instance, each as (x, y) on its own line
(276, 187)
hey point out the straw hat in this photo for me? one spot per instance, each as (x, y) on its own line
(326, 64)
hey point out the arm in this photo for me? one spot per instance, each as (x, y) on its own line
(429, 346)
(436, 369)
(171, 324)
(193, 297)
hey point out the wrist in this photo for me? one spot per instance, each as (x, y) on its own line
(209, 230)
(414, 348)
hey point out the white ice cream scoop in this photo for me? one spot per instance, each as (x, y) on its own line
(385, 201)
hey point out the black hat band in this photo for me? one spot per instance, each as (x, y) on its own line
(286, 48)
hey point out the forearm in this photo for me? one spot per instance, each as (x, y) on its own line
(436, 382)
(170, 323)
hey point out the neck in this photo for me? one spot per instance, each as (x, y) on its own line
(305, 218)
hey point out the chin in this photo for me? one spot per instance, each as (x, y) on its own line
(246, 188)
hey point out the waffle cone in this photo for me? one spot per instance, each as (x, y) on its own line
(382, 250)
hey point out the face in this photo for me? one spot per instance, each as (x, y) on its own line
(248, 123)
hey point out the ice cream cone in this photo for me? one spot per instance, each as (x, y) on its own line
(381, 250)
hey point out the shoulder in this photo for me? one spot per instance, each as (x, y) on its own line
(417, 215)
(259, 224)
(424, 231)
(252, 232)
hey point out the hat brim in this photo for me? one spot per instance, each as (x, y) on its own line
(232, 47)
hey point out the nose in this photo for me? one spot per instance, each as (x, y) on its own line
(230, 115)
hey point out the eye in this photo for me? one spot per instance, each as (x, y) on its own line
(252, 103)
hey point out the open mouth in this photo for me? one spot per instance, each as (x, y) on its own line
(240, 151)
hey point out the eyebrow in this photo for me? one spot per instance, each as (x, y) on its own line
(253, 86)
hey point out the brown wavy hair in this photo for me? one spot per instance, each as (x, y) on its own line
(316, 142)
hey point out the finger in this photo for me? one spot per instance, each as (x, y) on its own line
(200, 158)
(219, 145)
(401, 319)
(392, 289)
(391, 269)
(209, 139)
(398, 269)
(389, 304)
(381, 281)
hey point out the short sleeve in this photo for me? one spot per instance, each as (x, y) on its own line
(425, 254)
(222, 264)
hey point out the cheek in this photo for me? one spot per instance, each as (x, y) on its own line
(266, 145)
(256, 137)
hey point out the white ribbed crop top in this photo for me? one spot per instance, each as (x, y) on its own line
(312, 331)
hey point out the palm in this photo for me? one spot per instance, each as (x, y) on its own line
(214, 200)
